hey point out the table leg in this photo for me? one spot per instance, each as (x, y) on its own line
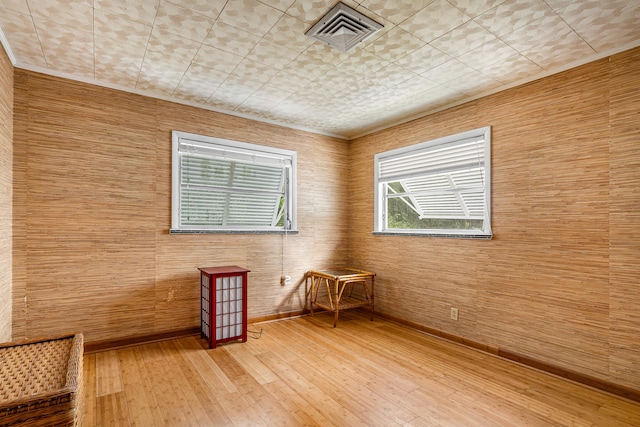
(311, 293)
(371, 297)
(337, 294)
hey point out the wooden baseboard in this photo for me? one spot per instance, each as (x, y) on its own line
(277, 316)
(531, 362)
(96, 346)
(578, 377)
(441, 334)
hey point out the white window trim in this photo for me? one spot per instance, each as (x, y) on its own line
(239, 150)
(380, 201)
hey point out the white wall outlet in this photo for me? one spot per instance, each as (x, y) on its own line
(454, 313)
(285, 280)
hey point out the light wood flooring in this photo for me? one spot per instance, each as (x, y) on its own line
(303, 372)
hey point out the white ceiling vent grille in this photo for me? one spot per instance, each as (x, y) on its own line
(343, 28)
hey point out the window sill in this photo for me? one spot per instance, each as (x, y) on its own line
(443, 235)
(172, 231)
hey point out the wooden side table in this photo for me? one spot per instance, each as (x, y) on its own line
(333, 289)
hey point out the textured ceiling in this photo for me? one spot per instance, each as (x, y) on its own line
(252, 58)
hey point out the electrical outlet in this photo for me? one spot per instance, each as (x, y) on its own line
(454, 314)
(285, 280)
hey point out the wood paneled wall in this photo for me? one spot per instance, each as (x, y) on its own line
(93, 211)
(624, 219)
(6, 191)
(559, 281)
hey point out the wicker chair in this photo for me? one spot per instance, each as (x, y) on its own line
(41, 382)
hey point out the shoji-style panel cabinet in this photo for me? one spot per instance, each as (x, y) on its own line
(223, 304)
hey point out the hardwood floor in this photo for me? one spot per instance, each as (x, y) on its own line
(303, 372)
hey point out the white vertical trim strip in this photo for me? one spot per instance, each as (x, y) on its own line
(7, 48)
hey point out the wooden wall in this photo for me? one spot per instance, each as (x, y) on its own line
(93, 208)
(6, 159)
(559, 281)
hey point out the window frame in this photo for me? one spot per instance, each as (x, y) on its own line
(380, 186)
(247, 153)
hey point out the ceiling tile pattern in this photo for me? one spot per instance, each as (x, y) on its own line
(252, 58)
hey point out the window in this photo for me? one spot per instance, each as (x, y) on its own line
(231, 186)
(438, 188)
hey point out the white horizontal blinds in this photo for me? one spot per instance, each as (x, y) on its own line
(440, 187)
(441, 180)
(221, 187)
(223, 151)
(254, 194)
(470, 187)
(442, 158)
(456, 195)
(201, 203)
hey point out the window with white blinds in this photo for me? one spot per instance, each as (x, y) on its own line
(440, 187)
(230, 186)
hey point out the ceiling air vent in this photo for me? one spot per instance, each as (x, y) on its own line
(343, 28)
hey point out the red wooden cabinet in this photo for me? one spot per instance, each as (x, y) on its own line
(223, 304)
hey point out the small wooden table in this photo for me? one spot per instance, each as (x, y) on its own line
(338, 286)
